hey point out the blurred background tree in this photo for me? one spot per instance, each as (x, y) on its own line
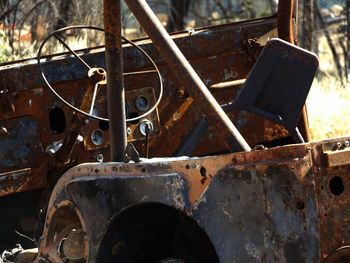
(322, 23)
(25, 23)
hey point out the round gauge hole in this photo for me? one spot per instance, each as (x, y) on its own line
(336, 185)
(142, 103)
(97, 137)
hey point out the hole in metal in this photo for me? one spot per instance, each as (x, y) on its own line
(57, 120)
(336, 185)
(203, 171)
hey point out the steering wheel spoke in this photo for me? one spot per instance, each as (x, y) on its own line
(72, 51)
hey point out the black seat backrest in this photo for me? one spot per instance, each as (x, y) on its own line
(278, 84)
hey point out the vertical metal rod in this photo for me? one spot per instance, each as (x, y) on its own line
(285, 21)
(115, 80)
(184, 72)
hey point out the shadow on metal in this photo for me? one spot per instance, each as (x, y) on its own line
(154, 232)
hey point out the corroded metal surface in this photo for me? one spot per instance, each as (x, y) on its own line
(285, 20)
(20, 146)
(269, 205)
(283, 204)
(115, 79)
(251, 211)
(188, 77)
(21, 163)
(262, 214)
(215, 63)
(332, 188)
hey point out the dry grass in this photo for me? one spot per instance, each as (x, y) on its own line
(328, 109)
(328, 102)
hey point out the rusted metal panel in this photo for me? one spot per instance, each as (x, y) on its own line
(14, 180)
(126, 191)
(303, 201)
(267, 212)
(20, 145)
(258, 212)
(17, 77)
(332, 189)
(337, 154)
(21, 156)
(338, 158)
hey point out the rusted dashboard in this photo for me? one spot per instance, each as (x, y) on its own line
(35, 124)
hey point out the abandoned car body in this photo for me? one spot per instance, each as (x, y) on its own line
(280, 202)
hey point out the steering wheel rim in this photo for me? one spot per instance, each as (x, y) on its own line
(54, 34)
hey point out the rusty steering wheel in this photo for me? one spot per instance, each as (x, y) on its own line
(97, 72)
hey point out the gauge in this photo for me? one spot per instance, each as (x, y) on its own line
(97, 137)
(142, 103)
(144, 126)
